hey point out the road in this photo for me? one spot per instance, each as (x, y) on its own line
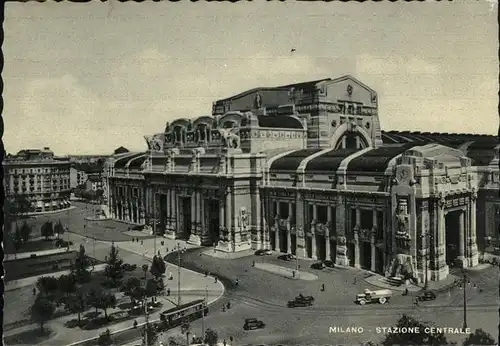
(263, 295)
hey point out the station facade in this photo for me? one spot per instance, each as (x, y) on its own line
(306, 169)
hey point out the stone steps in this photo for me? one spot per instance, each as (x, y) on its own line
(392, 281)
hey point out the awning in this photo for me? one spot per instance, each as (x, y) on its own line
(47, 204)
(54, 203)
(39, 204)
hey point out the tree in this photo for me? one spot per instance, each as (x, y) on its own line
(131, 286)
(25, 231)
(77, 303)
(42, 310)
(47, 285)
(152, 333)
(80, 268)
(158, 267)
(66, 284)
(114, 268)
(101, 299)
(47, 230)
(419, 338)
(59, 229)
(151, 289)
(211, 337)
(479, 337)
(176, 341)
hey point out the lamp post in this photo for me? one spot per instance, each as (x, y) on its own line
(178, 274)
(465, 283)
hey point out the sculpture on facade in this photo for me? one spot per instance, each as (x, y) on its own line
(403, 237)
(258, 101)
(243, 219)
(230, 138)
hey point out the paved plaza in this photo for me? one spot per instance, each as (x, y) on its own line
(264, 287)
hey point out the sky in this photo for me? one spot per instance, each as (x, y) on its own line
(88, 78)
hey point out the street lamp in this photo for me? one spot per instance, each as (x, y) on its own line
(465, 282)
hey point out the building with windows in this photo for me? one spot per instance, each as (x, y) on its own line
(39, 176)
(306, 169)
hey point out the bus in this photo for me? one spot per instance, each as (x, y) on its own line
(183, 313)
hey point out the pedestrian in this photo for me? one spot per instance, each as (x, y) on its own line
(354, 281)
(162, 243)
(159, 254)
(223, 308)
(206, 274)
(216, 279)
(416, 301)
(237, 282)
(253, 263)
(405, 293)
(322, 287)
(34, 291)
(135, 323)
(293, 273)
(228, 305)
(168, 291)
(133, 239)
(224, 342)
(231, 339)
(142, 242)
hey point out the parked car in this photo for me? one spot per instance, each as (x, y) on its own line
(299, 303)
(427, 295)
(378, 296)
(306, 298)
(329, 264)
(286, 257)
(262, 252)
(63, 243)
(129, 267)
(318, 265)
(253, 323)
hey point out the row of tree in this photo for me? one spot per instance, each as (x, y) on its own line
(88, 195)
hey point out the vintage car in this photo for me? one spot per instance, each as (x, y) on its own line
(306, 298)
(253, 323)
(378, 296)
(62, 243)
(329, 264)
(318, 265)
(286, 257)
(262, 252)
(299, 302)
(427, 295)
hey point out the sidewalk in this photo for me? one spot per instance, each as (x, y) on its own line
(381, 281)
(286, 272)
(193, 286)
(16, 284)
(21, 255)
(228, 255)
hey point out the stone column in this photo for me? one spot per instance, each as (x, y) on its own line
(473, 253)
(327, 230)
(357, 263)
(314, 254)
(258, 219)
(277, 245)
(340, 220)
(461, 239)
(288, 229)
(372, 241)
(173, 210)
(299, 226)
(266, 222)
(442, 270)
(228, 213)
(193, 213)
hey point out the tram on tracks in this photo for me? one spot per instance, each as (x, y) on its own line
(183, 313)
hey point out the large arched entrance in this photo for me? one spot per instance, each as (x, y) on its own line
(283, 246)
(321, 246)
(213, 208)
(365, 255)
(186, 217)
(452, 237)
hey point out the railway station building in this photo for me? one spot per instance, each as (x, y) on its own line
(306, 169)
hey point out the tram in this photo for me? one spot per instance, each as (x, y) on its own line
(183, 313)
